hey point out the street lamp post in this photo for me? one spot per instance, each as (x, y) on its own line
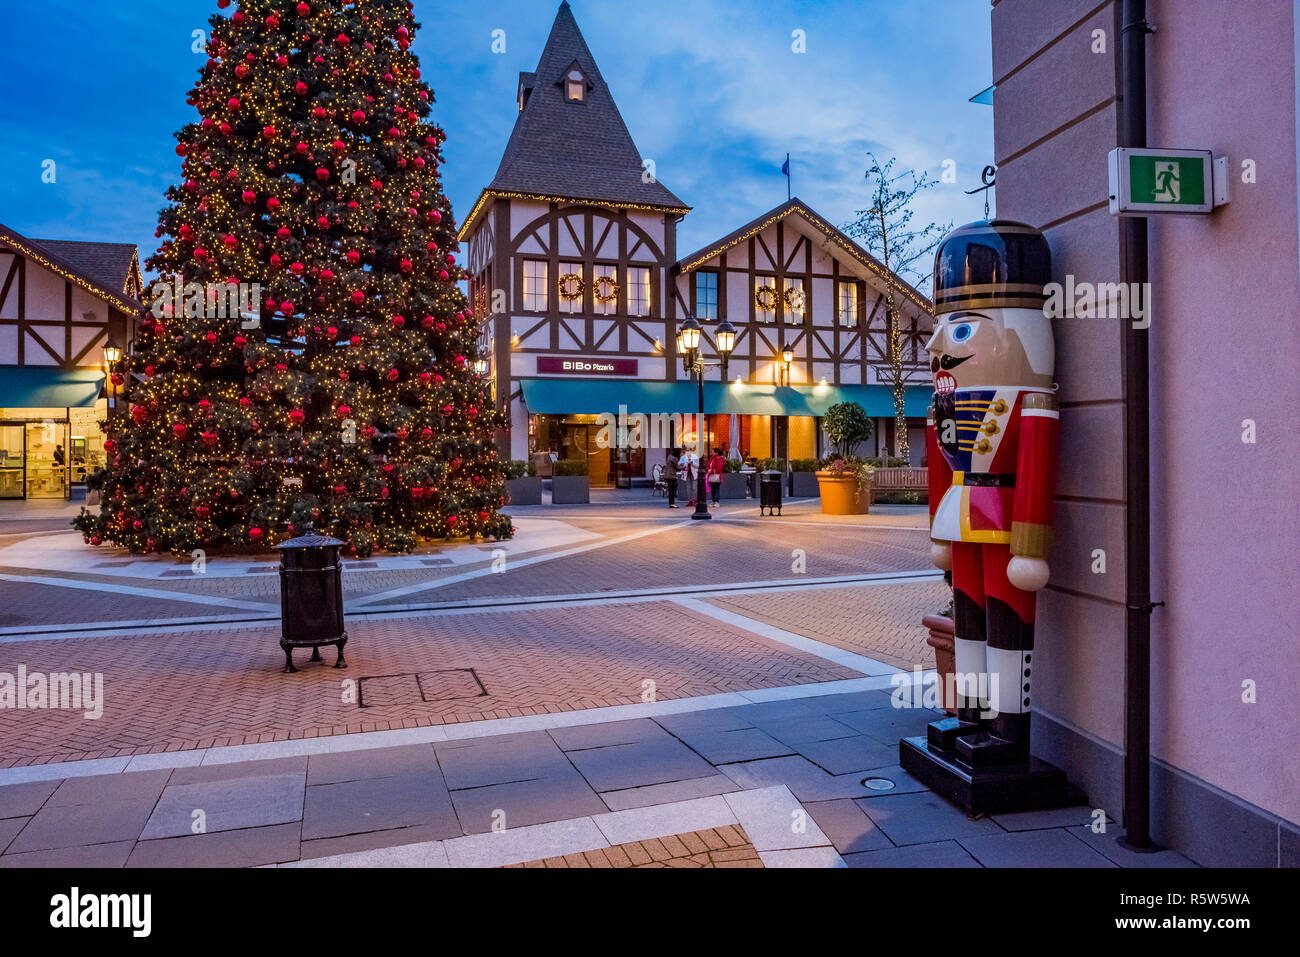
(111, 355)
(688, 341)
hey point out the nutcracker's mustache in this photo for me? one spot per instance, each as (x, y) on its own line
(946, 362)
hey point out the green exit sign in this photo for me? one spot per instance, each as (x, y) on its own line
(1144, 181)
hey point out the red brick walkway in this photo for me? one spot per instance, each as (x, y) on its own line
(718, 847)
(879, 621)
(213, 688)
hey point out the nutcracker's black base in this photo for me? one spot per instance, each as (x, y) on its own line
(1002, 789)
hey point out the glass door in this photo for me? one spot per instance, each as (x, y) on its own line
(11, 461)
(47, 459)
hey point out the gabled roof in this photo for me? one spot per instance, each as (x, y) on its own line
(813, 224)
(92, 266)
(565, 151)
(115, 265)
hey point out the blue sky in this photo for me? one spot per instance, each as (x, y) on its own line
(710, 89)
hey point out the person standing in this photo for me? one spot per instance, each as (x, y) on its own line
(671, 465)
(690, 473)
(713, 475)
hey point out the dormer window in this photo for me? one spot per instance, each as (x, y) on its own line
(575, 87)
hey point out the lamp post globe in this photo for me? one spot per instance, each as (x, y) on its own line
(690, 334)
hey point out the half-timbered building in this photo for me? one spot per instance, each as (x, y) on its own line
(575, 273)
(63, 303)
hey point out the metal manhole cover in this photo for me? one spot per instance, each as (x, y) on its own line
(878, 784)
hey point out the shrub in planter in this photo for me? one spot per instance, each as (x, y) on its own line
(803, 478)
(523, 487)
(847, 425)
(571, 484)
(845, 486)
(734, 484)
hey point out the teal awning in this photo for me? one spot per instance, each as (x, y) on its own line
(48, 387)
(594, 396)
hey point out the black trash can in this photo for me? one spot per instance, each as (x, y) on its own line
(311, 597)
(769, 493)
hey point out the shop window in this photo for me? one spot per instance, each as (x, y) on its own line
(535, 285)
(706, 295)
(638, 291)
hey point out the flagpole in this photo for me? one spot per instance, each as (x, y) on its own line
(787, 177)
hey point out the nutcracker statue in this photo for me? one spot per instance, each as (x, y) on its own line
(991, 443)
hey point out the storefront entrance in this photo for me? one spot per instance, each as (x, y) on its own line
(35, 459)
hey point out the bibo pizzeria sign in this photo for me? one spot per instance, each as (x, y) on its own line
(575, 365)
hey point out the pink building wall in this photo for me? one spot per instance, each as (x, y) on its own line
(1224, 348)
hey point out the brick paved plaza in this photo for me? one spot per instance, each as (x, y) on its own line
(617, 687)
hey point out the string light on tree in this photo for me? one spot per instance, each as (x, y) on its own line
(313, 172)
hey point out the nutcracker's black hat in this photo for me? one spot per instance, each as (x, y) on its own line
(991, 264)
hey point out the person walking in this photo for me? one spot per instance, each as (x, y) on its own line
(690, 474)
(671, 466)
(713, 475)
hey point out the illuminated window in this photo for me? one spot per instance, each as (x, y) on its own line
(848, 303)
(535, 285)
(796, 304)
(575, 87)
(706, 295)
(604, 291)
(765, 296)
(570, 288)
(638, 291)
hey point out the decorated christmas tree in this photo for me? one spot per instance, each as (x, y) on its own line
(342, 398)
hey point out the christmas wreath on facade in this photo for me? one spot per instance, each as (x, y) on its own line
(570, 287)
(765, 298)
(606, 289)
(794, 299)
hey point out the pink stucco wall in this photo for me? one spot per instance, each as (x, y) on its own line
(1225, 347)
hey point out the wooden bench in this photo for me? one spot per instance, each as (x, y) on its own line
(899, 480)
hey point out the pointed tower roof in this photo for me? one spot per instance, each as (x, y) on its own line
(567, 149)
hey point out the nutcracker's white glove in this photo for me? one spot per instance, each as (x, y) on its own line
(941, 555)
(1027, 574)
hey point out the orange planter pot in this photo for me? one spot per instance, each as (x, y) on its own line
(842, 494)
(942, 631)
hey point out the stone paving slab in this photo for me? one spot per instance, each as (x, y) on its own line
(228, 805)
(1041, 848)
(533, 801)
(944, 854)
(443, 804)
(249, 847)
(741, 744)
(924, 818)
(1109, 847)
(638, 764)
(77, 825)
(407, 799)
(848, 826)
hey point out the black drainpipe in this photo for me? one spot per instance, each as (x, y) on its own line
(1137, 469)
